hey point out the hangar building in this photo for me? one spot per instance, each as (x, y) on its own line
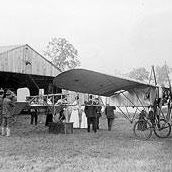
(22, 66)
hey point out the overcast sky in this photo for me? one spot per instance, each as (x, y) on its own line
(110, 35)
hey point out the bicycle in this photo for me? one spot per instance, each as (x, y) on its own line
(147, 124)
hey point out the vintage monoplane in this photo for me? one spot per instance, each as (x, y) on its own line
(147, 99)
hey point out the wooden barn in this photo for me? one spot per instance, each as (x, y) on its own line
(22, 66)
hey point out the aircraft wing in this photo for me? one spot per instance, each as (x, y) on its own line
(86, 81)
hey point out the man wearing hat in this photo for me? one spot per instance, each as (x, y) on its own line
(109, 112)
(1, 100)
(90, 112)
(7, 112)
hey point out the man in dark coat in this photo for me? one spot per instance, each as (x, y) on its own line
(49, 116)
(1, 102)
(34, 115)
(90, 111)
(98, 111)
(109, 112)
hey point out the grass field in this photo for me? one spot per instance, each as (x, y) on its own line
(32, 148)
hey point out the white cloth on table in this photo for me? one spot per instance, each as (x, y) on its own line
(74, 118)
(74, 115)
(84, 121)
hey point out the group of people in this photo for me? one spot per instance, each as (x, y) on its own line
(7, 99)
(93, 113)
(92, 110)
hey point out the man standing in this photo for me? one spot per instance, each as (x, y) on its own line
(34, 115)
(109, 112)
(98, 111)
(49, 117)
(1, 101)
(7, 112)
(90, 111)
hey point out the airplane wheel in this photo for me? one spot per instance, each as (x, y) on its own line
(142, 129)
(162, 129)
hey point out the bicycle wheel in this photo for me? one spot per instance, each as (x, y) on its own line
(142, 129)
(162, 129)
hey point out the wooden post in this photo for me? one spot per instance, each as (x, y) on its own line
(154, 75)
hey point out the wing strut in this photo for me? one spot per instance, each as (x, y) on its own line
(139, 100)
(169, 102)
(153, 70)
(130, 119)
(130, 101)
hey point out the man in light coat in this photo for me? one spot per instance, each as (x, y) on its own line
(7, 112)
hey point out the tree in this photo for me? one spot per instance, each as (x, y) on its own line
(162, 74)
(140, 74)
(62, 54)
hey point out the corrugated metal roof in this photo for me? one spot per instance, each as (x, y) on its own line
(8, 48)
